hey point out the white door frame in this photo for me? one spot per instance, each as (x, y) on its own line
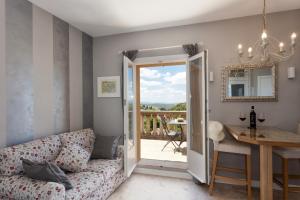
(161, 59)
(182, 58)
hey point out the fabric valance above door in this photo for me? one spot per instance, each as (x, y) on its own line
(131, 54)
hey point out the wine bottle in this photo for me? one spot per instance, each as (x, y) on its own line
(252, 118)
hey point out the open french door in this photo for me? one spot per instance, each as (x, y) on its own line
(197, 144)
(129, 103)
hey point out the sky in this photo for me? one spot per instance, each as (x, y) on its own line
(163, 84)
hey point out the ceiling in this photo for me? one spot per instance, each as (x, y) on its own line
(107, 17)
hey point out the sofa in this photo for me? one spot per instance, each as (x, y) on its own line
(97, 181)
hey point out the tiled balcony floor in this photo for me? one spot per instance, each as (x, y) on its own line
(151, 149)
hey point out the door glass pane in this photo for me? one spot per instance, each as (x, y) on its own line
(196, 135)
(130, 99)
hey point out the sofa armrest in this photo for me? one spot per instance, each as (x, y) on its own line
(52, 191)
(120, 152)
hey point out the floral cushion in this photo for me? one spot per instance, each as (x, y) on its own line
(84, 184)
(20, 187)
(41, 150)
(84, 138)
(73, 158)
(106, 167)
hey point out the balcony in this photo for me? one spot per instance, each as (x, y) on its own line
(151, 127)
(153, 138)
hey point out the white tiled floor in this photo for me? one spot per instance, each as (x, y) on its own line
(151, 149)
(147, 187)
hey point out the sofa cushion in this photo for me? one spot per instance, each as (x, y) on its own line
(46, 172)
(84, 184)
(84, 138)
(120, 153)
(105, 147)
(21, 187)
(106, 167)
(73, 158)
(40, 150)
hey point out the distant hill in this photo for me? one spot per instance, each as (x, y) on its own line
(162, 106)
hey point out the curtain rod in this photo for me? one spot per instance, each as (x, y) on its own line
(161, 48)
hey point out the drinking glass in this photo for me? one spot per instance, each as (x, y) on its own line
(261, 117)
(242, 116)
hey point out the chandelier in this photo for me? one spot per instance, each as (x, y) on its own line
(267, 50)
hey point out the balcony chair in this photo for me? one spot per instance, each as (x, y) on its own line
(216, 134)
(172, 135)
(287, 154)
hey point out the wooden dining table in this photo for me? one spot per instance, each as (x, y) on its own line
(266, 138)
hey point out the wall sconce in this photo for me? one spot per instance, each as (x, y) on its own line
(291, 72)
(211, 76)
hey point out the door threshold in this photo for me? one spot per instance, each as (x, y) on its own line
(163, 163)
(163, 171)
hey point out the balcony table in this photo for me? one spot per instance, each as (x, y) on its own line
(180, 124)
(266, 138)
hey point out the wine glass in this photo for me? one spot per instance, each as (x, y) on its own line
(261, 117)
(242, 116)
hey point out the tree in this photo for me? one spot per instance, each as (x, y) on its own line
(179, 107)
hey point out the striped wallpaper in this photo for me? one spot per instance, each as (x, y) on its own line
(46, 69)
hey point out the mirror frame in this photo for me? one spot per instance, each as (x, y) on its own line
(224, 77)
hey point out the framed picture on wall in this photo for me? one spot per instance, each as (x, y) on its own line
(108, 86)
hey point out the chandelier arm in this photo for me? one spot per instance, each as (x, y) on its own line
(272, 45)
(256, 45)
(256, 48)
(281, 57)
(274, 38)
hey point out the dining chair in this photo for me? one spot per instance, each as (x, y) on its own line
(216, 130)
(172, 135)
(287, 154)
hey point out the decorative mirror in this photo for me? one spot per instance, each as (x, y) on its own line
(249, 83)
